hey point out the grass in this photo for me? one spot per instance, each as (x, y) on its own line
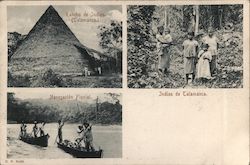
(55, 80)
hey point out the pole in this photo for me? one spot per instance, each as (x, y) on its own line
(165, 17)
(96, 109)
(196, 19)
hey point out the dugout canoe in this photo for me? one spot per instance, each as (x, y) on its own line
(80, 152)
(40, 141)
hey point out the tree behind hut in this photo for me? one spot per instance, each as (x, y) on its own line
(111, 41)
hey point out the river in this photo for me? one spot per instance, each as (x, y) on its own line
(108, 138)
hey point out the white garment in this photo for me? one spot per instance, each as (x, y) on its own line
(162, 40)
(85, 71)
(203, 67)
(212, 42)
(190, 48)
(99, 70)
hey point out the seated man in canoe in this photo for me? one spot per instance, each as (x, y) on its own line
(80, 131)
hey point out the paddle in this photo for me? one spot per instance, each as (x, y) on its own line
(56, 139)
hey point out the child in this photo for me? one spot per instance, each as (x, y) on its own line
(190, 47)
(212, 42)
(203, 66)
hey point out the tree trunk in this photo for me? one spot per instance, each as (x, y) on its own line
(220, 17)
(210, 18)
(96, 110)
(196, 30)
(165, 17)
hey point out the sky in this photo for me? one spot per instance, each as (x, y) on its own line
(21, 19)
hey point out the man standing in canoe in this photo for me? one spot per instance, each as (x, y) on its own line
(23, 129)
(35, 129)
(60, 125)
(41, 129)
(88, 137)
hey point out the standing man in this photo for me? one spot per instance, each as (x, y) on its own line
(190, 50)
(60, 125)
(85, 71)
(88, 137)
(41, 129)
(212, 42)
(99, 70)
(35, 129)
(23, 129)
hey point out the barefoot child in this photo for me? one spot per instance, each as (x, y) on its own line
(203, 66)
(212, 42)
(190, 47)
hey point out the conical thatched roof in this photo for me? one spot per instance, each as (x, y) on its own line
(50, 45)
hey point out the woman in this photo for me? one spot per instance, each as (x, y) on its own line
(190, 48)
(163, 42)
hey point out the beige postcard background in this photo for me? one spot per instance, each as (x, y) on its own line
(212, 129)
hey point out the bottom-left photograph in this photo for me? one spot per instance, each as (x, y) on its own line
(56, 125)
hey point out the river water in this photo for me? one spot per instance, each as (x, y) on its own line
(108, 138)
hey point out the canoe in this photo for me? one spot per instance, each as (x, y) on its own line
(40, 141)
(80, 152)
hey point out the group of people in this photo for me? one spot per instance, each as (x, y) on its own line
(35, 130)
(97, 71)
(199, 57)
(85, 135)
(84, 131)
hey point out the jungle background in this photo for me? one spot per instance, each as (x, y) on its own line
(71, 111)
(225, 20)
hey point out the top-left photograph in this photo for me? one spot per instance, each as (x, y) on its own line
(76, 46)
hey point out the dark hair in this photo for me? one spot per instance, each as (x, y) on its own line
(86, 124)
(59, 121)
(79, 126)
(191, 34)
(160, 28)
(205, 46)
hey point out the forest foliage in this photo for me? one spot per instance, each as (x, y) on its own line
(110, 36)
(225, 20)
(72, 111)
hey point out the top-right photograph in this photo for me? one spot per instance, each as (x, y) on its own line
(185, 46)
